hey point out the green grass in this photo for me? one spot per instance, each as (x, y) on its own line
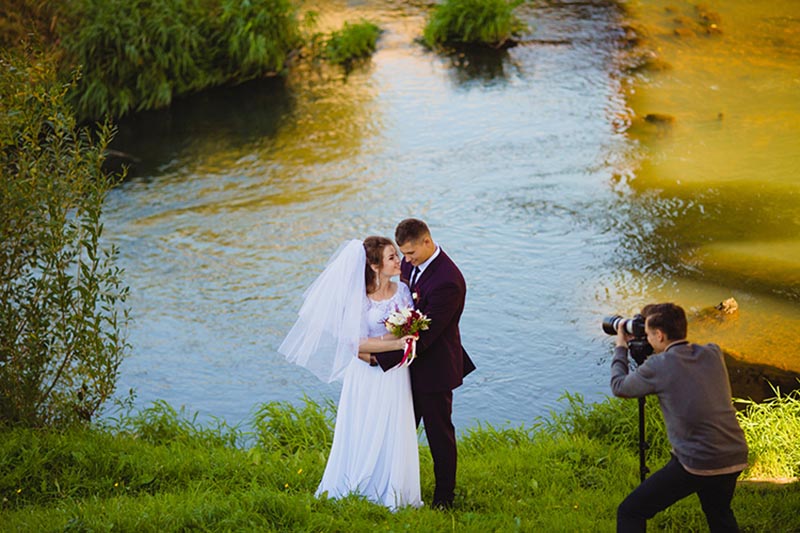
(480, 22)
(352, 42)
(161, 471)
(772, 429)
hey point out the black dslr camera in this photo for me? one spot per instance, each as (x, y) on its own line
(638, 347)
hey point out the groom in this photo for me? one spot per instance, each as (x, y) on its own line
(438, 290)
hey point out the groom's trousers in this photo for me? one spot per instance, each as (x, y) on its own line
(435, 410)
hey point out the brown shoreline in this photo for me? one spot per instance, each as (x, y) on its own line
(758, 382)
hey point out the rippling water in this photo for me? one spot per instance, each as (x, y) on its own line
(514, 159)
(719, 186)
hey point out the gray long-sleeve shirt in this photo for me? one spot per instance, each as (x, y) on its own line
(693, 388)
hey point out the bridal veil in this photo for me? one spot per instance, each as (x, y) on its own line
(326, 335)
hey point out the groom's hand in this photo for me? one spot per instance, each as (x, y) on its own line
(368, 358)
(388, 360)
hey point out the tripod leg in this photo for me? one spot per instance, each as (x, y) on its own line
(643, 445)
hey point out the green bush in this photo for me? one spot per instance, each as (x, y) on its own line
(483, 22)
(60, 326)
(140, 55)
(253, 38)
(353, 41)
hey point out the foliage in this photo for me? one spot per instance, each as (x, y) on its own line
(30, 21)
(353, 41)
(484, 22)
(519, 479)
(60, 329)
(140, 55)
(771, 429)
(282, 427)
(253, 38)
(615, 423)
(161, 424)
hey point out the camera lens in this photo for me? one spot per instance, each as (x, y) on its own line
(610, 324)
(634, 326)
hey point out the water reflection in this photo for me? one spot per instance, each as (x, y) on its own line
(482, 66)
(514, 160)
(200, 126)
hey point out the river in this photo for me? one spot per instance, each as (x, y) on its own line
(529, 166)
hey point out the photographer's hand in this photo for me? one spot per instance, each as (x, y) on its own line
(623, 337)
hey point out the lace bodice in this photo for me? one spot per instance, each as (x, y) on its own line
(376, 312)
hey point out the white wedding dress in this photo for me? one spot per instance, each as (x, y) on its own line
(374, 452)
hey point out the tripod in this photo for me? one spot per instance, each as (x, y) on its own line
(643, 444)
(639, 352)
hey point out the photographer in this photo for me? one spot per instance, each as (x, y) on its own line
(708, 446)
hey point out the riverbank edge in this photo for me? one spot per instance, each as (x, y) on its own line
(159, 471)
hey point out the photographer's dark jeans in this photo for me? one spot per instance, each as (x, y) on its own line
(673, 483)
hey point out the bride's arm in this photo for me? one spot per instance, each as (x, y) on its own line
(384, 343)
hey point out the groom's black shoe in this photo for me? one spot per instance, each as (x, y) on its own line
(442, 505)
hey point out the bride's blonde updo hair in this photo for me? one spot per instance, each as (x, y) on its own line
(374, 246)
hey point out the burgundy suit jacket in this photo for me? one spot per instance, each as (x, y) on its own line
(441, 362)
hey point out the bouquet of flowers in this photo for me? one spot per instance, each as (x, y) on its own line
(404, 322)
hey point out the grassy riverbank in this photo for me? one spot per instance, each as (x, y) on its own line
(159, 471)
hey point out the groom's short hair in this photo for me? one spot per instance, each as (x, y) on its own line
(410, 229)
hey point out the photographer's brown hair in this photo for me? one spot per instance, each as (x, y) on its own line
(668, 317)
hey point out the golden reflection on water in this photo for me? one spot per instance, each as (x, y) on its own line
(723, 137)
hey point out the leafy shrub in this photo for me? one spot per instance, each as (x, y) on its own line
(485, 22)
(353, 41)
(134, 55)
(252, 38)
(140, 55)
(60, 329)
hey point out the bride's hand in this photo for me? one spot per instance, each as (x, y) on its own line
(406, 339)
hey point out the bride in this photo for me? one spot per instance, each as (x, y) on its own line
(374, 452)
